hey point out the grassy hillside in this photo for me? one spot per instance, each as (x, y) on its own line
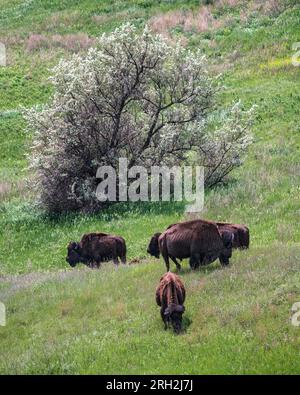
(81, 321)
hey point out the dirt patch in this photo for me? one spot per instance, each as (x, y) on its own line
(134, 261)
(14, 283)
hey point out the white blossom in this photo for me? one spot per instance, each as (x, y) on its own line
(134, 95)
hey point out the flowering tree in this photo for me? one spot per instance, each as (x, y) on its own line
(223, 149)
(134, 96)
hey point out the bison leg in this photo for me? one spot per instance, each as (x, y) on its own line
(123, 259)
(195, 260)
(176, 263)
(193, 263)
(224, 260)
(116, 261)
(163, 317)
(166, 259)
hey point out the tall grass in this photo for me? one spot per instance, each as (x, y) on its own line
(238, 319)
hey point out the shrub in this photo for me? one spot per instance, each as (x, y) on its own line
(132, 96)
(223, 149)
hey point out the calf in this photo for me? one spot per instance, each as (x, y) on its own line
(170, 296)
(95, 248)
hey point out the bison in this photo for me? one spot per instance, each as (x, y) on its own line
(198, 240)
(241, 234)
(170, 296)
(95, 248)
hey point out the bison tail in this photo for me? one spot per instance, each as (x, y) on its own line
(123, 255)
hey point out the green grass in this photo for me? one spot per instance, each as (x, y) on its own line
(42, 241)
(237, 319)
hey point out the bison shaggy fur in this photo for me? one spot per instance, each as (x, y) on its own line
(170, 296)
(95, 248)
(198, 240)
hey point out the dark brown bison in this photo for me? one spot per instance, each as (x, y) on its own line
(170, 296)
(198, 240)
(95, 248)
(241, 234)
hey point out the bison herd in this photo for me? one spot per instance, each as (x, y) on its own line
(202, 242)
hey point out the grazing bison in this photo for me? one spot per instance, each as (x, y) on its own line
(198, 240)
(241, 234)
(170, 296)
(95, 248)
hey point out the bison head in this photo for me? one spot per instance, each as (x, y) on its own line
(173, 314)
(243, 237)
(153, 248)
(73, 256)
